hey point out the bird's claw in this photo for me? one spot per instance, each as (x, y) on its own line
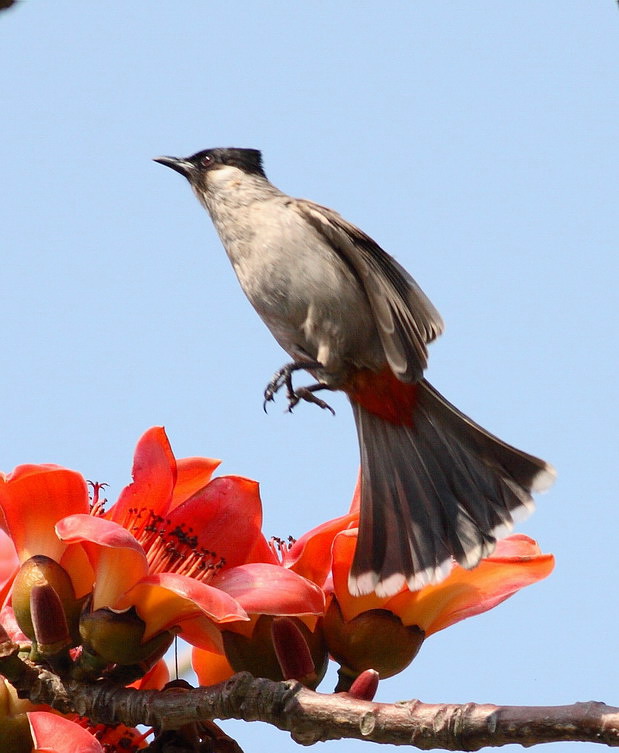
(283, 377)
(272, 388)
(305, 393)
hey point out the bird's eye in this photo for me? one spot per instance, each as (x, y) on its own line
(206, 160)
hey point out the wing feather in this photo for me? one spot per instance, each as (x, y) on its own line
(405, 318)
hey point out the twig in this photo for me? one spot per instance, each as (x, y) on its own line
(312, 717)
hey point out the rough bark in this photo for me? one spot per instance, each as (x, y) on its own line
(312, 717)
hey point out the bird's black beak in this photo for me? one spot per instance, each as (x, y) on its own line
(182, 166)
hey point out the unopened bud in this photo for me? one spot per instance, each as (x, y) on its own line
(116, 637)
(49, 622)
(375, 639)
(46, 572)
(291, 649)
(257, 654)
(364, 687)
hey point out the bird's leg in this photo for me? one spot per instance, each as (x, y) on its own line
(284, 377)
(307, 394)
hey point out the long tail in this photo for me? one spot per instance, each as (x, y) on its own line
(435, 487)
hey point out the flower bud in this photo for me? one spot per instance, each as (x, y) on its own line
(113, 637)
(41, 571)
(291, 650)
(48, 620)
(375, 639)
(364, 687)
(258, 654)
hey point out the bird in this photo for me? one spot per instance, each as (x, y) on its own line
(436, 488)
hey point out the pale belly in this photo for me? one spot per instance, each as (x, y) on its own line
(313, 305)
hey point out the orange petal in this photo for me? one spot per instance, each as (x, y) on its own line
(203, 633)
(226, 516)
(166, 599)
(261, 551)
(193, 474)
(343, 550)
(32, 499)
(154, 476)
(310, 556)
(77, 564)
(116, 557)
(156, 677)
(211, 667)
(272, 589)
(55, 734)
(465, 593)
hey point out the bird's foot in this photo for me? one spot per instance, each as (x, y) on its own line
(307, 394)
(283, 377)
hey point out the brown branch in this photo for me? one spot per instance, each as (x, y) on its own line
(312, 717)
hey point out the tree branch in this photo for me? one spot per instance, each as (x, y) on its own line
(312, 717)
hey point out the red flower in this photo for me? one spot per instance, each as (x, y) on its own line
(385, 633)
(277, 591)
(178, 551)
(55, 734)
(311, 554)
(265, 591)
(33, 498)
(225, 514)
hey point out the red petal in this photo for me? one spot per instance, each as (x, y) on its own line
(203, 633)
(55, 734)
(210, 666)
(10, 626)
(271, 589)
(9, 564)
(226, 516)
(77, 528)
(310, 556)
(116, 557)
(32, 499)
(261, 552)
(154, 476)
(193, 474)
(166, 599)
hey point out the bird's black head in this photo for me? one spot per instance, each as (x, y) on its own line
(195, 167)
(247, 160)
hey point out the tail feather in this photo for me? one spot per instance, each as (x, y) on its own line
(434, 489)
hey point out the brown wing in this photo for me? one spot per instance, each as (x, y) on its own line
(405, 318)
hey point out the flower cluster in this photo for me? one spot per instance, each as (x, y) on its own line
(95, 593)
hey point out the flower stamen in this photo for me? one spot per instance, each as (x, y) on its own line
(280, 547)
(175, 550)
(97, 505)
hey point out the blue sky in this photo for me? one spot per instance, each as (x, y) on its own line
(476, 142)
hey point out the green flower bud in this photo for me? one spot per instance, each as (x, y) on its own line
(41, 571)
(258, 656)
(116, 638)
(375, 639)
